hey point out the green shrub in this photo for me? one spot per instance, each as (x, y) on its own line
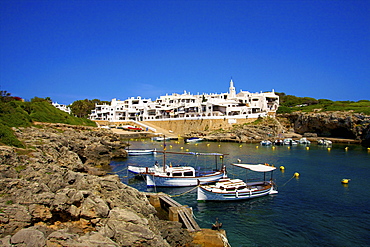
(284, 109)
(22, 114)
(44, 112)
(290, 103)
(13, 115)
(7, 137)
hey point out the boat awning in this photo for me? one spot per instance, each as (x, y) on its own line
(256, 168)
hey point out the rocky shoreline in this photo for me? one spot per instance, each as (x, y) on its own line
(339, 127)
(56, 193)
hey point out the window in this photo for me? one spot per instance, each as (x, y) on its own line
(189, 174)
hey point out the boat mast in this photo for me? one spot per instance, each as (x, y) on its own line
(216, 162)
(164, 153)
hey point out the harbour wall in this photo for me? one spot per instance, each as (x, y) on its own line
(182, 127)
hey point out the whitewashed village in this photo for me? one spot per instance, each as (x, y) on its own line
(230, 105)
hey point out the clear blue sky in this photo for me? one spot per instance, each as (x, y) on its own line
(71, 50)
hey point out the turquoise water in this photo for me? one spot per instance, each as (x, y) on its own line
(314, 209)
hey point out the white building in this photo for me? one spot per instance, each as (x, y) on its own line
(187, 106)
(62, 107)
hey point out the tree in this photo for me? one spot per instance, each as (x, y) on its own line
(5, 96)
(83, 108)
(37, 99)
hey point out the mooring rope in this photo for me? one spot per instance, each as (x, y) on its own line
(184, 192)
(287, 181)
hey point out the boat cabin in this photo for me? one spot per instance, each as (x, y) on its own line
(180, 172)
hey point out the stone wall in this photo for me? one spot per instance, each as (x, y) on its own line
(183, 127)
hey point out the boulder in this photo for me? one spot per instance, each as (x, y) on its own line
(28, 237)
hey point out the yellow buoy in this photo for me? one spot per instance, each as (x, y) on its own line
(240, 146)
(182, 148)
(282, 168)
(208, 145)
(219, 145)
(345, 180)
(346, 148)
(307, 148)
(296, 174)
(329, 149)
(187, 150)
(273, 147)
(257, 146)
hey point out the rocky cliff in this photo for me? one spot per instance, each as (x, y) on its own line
(331, 124)
(346, 125)
(54, 193)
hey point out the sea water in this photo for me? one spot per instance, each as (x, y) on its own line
(314, 209)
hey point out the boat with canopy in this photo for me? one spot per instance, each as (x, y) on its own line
(236, 189)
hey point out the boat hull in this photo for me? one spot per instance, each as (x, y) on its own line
(140, 170)
(164, 181)
(243, 194)
(191, 140)
(135, 152)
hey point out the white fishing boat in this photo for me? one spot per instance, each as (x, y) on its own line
(289, 141)
(132, 152)
(179, 176)
(304, 141)
(140, 170)
(194, 139)
(160, 138)
(324, 142)
(237, 189)
(266, 143)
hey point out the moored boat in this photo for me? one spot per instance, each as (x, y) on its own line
(289, 141)
(182, 176)
(140, 170)
(179, 176)
(324, 142)
(160, 138)
(237, 189)
(278, 142)
(266, 143)
(194, 139)
(132, 152)
(304, 141)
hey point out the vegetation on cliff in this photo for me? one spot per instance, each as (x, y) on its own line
(15, 113)
(290, 103)
(83, 108)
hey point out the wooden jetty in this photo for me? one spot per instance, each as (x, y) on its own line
(175, 211)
